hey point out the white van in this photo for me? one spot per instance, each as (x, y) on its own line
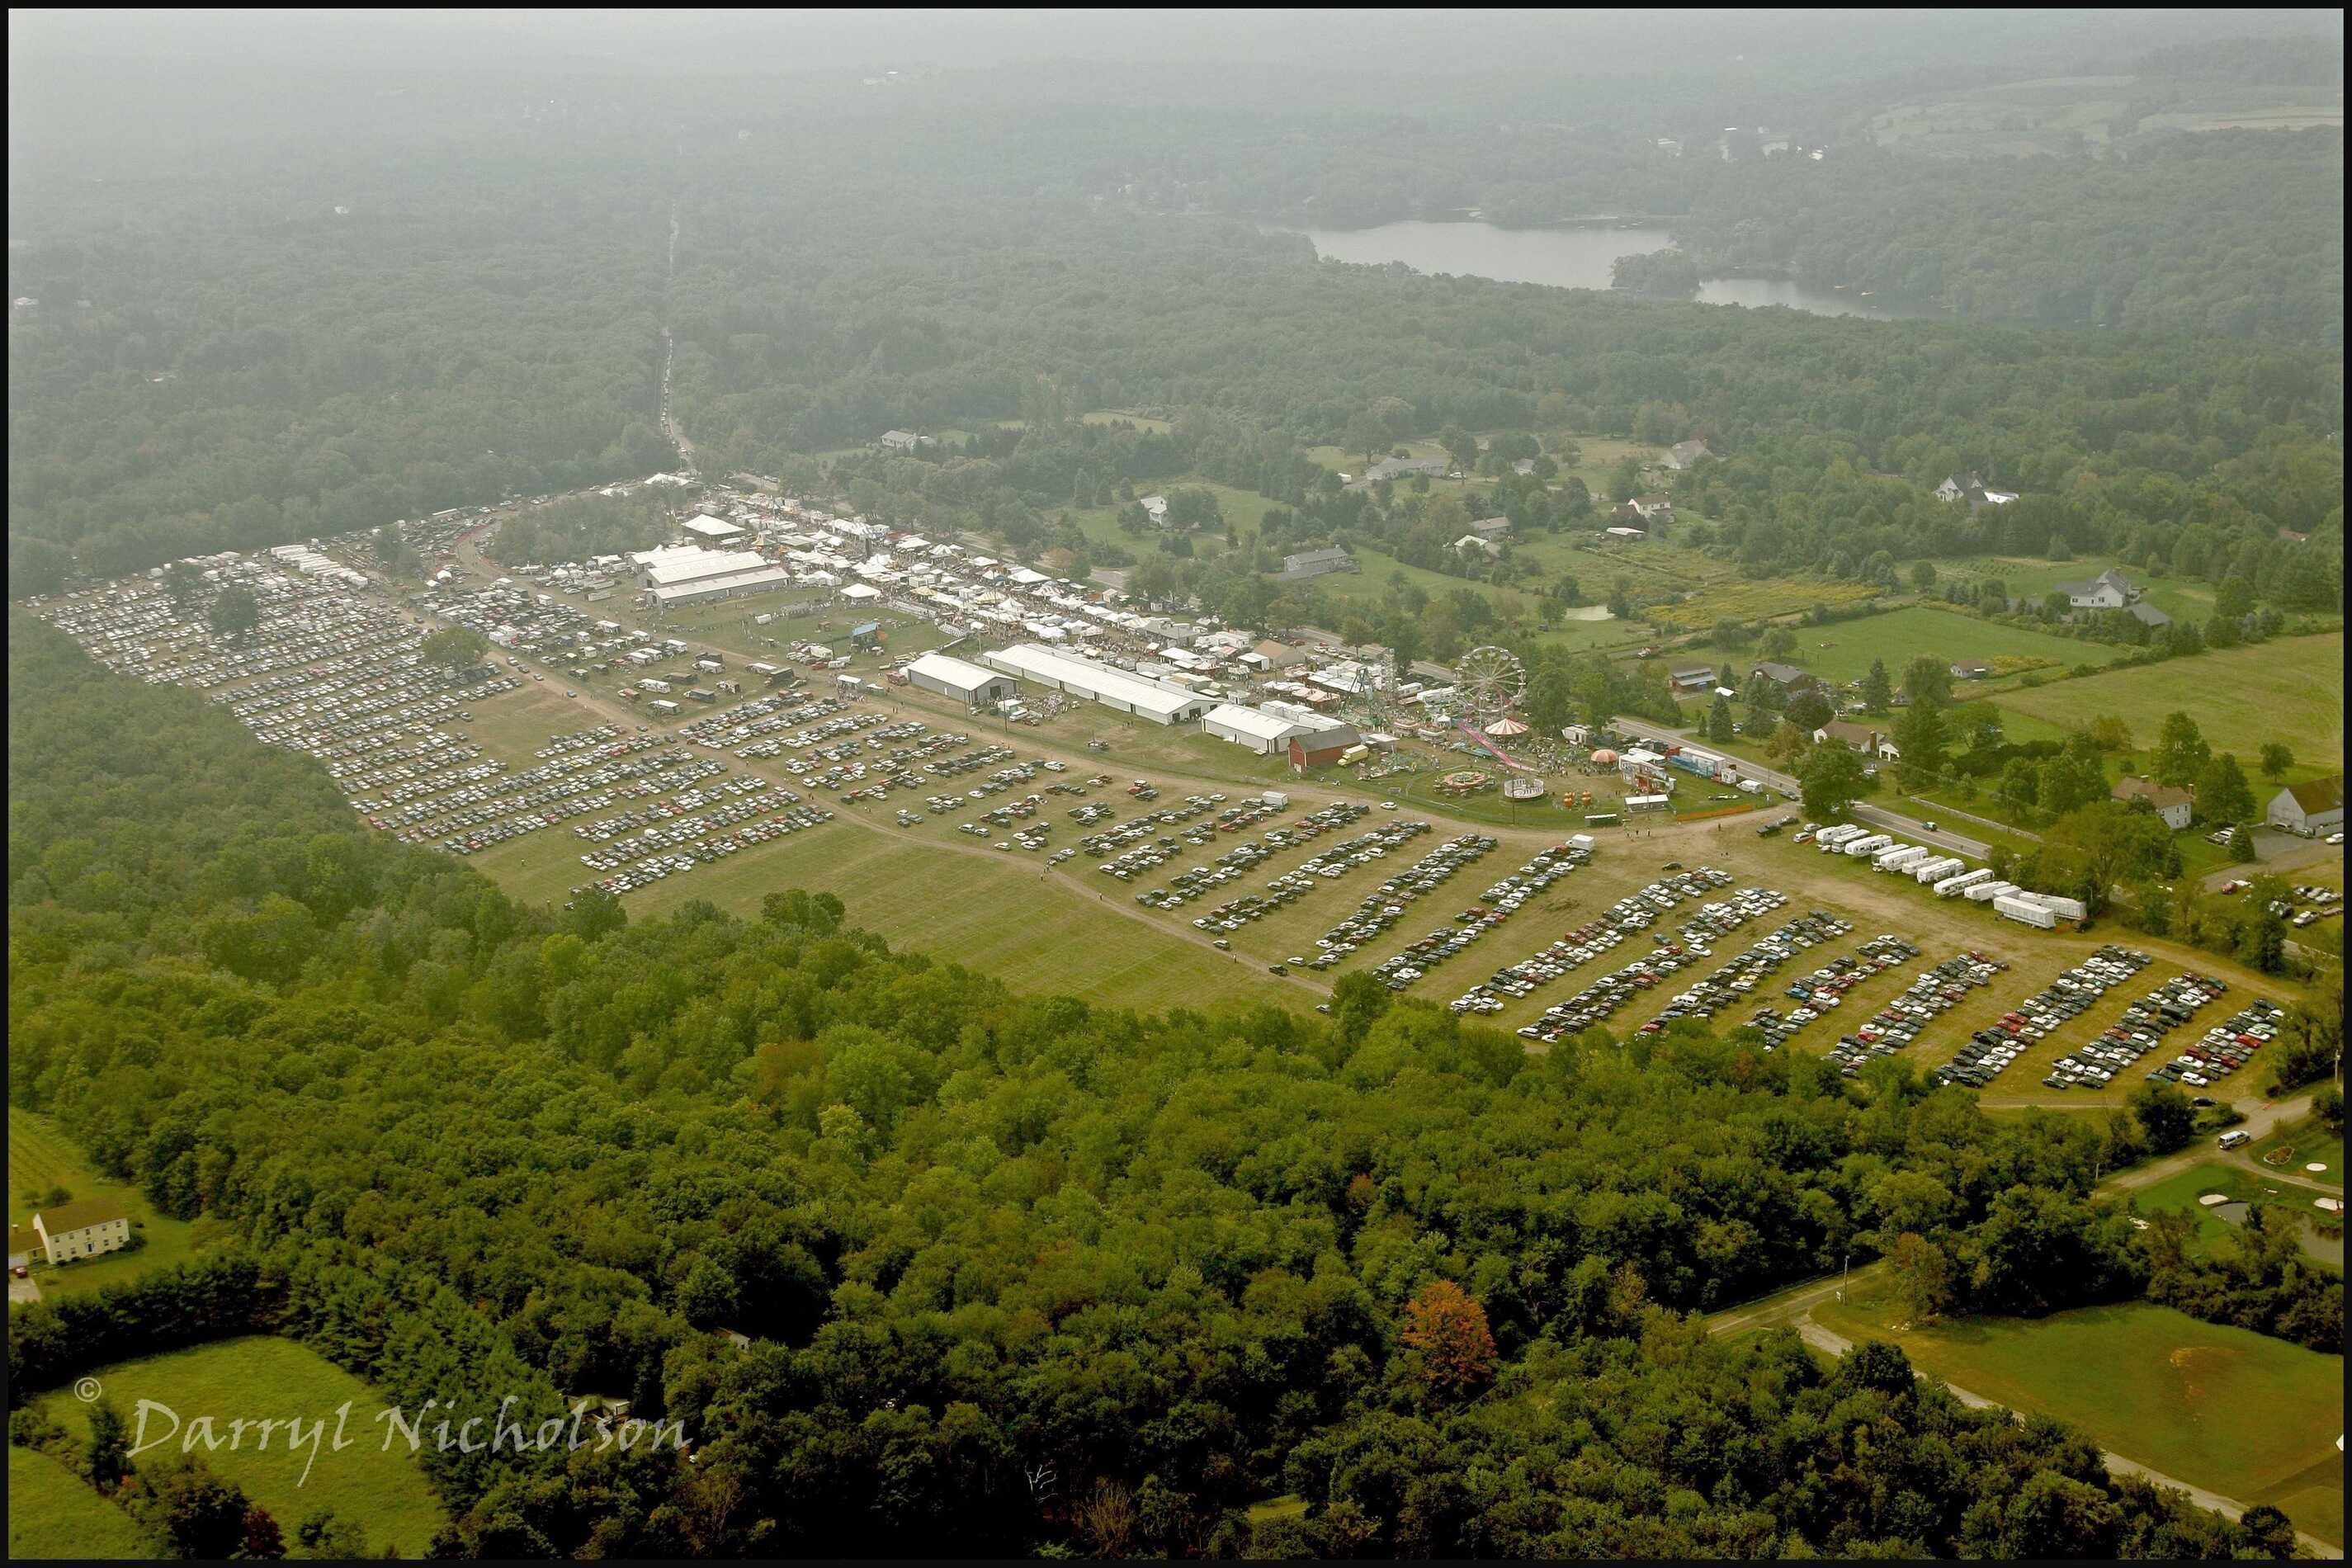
(2233, 1139)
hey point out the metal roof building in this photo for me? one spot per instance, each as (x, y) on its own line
(1262, 732)
(1116, 688)
(954, 678)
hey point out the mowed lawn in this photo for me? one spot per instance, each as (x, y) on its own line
(2237, 1413)
(1045, 934)
(258, 1378)
(40, 1156)
(55, 1514)
(2291, 690)
(2182, 598)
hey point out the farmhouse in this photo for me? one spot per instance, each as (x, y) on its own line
(2110, 590)
(1974, 491)
(1492, 528)
(1685, 455)
(1262, 732)
(967, 683)
(2171, 803)
(2308, 807)
(1652, 507)
(905, 441)
(83, 1228)
(1491, 548)
(1971, 672)
(1155, 508)
(1162, 702)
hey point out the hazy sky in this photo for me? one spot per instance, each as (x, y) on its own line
(1424, 41)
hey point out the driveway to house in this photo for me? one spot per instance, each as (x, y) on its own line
(23, 1289)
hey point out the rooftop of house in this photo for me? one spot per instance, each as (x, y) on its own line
(2162, 796)
(80, 1214)
(2319, 795)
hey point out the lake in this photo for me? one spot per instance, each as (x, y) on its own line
(1572, 257)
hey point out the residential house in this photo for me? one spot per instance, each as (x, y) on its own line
(2308, 807)
(1652, 507)
(1492, 528)
(1155, 508)
(1685, 455)
(1859, 738)
(1974, 491)
(83, 1228)
(905, 441)
(2171, 803)
(1474, 541)
(1971, 671)
(2110, 590)
(1315, 564)
(1524, 467)
(1405, 467)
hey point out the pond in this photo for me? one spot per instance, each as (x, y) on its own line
(1573, 257)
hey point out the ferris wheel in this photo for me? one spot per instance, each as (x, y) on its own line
(1491, 681)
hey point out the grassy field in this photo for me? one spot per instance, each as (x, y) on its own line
(2249, 1416)
(2302, 1145)
(2029, 578)
(54, 1514)
(2291, 690)
(1843, 651)
(2052, 114)
(41, 1157)
(997, 916)
(2247, 1185)
(258, 1377)
(1368, 585)
(1245, 509)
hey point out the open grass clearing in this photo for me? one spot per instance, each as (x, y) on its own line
(2029, 578)
(2241, 1413)
(2289, 689)
(258, 1377)
(55, 1515)
(41, 1157)
(1844, 650)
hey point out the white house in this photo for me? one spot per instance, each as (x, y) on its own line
(83, 1228)
(2172, 804)
(2110, 590)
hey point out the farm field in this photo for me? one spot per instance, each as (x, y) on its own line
(1843, 651)
(1368, 585)
(258, 1376)
(2251, 1418)
(1243, 510)
(40, 1156)
(2290, 689)
(2028, 118)
(54, 1514)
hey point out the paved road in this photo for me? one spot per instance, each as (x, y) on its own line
(2279, 853)
(1772, 778)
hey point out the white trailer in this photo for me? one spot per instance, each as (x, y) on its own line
(1870, 846)
(1276, 799)
(2065, 908)
(1901, 857)
(1843, 831)
(2025, 911)
(1583, 841)
(1961, 883)
(1926, 871)
(1985, 891)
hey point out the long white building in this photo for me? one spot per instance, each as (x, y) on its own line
(1160, 702)
(1262, 732)
(690, 574)
(955, 678)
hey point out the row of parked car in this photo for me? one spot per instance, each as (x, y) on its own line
(1826, 987)
(1607, 994)
(2226, 1048)
(712, 843)
(1385, 905)
(1505, 899)
(1928, 996)
(1737, 978)
(1991, 1049)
